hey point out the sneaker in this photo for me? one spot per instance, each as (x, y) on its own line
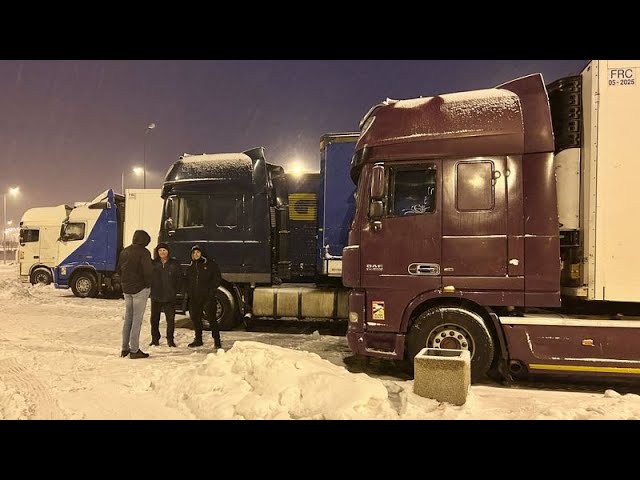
(138, 354)
(196, 343)
(154, 343)
(171, 343)
(124, 353)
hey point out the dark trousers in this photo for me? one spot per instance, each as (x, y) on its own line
(196, 307)
(169, 309)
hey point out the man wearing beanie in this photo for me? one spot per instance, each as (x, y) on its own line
(166, 283)
(203, 279)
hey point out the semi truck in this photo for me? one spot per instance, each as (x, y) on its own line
(500, 221)
(93, 235)
(277, 237)
(38, 244)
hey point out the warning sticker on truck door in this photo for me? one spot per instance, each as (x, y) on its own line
(377, 309)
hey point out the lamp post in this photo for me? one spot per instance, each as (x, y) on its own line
(150, 127)
(13, 192)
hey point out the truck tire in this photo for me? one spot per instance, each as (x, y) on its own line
(225, 310)
(41, 275)
(453, 327)
(84, 285)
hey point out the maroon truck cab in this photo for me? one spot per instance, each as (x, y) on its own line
(456, 218)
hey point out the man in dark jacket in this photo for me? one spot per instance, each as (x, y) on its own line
(166, 282)
(203, 279)
(134, 268)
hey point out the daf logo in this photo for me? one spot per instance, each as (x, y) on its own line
(375, 267)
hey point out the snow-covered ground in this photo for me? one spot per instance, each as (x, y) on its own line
(59, 360)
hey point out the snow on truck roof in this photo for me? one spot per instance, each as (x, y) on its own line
(45, 215)
(221, 166)
(494, 112)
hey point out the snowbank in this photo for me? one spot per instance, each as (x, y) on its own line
(13, 289)
(258, 381)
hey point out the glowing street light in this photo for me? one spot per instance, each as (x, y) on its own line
(136, 170)
(296, 169)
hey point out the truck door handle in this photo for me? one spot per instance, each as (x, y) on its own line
(424, 269)
(36, 256)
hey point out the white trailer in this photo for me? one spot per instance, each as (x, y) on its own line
(143, 210)
(597, 184)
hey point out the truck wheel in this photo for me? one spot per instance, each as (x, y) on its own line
(84, 285)
(41, 275)
(453, 327)
(225, 310)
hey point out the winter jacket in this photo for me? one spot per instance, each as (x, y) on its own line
(166, 279)
(134, 265)
(203, 278)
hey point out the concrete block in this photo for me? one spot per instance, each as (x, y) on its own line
(443, 375)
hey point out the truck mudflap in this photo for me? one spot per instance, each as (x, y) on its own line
(377, 344)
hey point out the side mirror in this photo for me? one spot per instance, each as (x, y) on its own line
(377, 183)
(168, 225)
(100, 206)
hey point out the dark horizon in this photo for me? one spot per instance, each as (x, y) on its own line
(70, 128)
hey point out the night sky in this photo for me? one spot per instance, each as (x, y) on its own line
(69, 129)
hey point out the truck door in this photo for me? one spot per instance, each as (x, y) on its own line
(401, 256)
(29, 249)
(226, 232)
(474, 223)
(215, 222)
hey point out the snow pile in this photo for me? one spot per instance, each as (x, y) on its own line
(13, 289)
(259, 381)
(12, 405)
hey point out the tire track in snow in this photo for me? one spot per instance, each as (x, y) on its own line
(39, 403)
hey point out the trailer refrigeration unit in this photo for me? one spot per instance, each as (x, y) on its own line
(473, 227)
(261, 226)
(94, 234)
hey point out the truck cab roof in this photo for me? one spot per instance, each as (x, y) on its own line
(512, 118)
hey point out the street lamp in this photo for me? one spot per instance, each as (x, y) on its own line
(150, 127)
(13, 192)
(136, 170)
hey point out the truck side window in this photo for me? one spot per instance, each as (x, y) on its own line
(474, 186)
(29, 235)
(74, 231)
(191, 212)
(227, 209)
(413, 191)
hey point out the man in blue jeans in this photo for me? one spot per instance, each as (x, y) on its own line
(135, 269)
